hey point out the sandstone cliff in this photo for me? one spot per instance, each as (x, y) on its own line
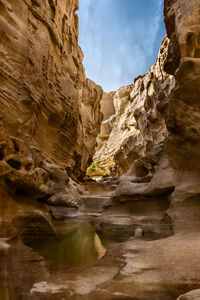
(136, 130)
(45, 99)
(183, 115)
(154, 137)
(49, 111)
(49, 119)
(50, 116)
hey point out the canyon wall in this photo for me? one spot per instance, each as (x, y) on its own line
(49, 119)
(183, 111)
(49, 111)
(45, 98)
(183, 115)
(136, 130)
(153, 136)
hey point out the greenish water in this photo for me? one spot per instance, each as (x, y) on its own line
(76, 245)
(4, 292)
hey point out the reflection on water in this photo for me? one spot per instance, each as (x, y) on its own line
(4, 293)
(76, 245)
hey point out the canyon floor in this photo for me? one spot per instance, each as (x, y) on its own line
(106, 251)
(133, 234)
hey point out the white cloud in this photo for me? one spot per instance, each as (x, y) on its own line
(117, 45)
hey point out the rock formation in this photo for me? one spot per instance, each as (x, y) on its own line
(147, 212)
(49, 112)
(108, 111)
(49, 119)
(182, 118)
(136, 129)
(192, 295)
(154, 139)
(44, 92)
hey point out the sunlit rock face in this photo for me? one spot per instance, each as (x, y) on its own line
(49, 119)
(43, 91)
(136, 129)
(107, 105)
(49, 112)
(183, 113)
(155, 138)
(183, 120)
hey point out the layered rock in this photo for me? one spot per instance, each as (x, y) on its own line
(136, 130)
(44, 92)
(151, 135)
(154, 140)
(183, 112)
(183, 118)
(49, 119)
(49, 111)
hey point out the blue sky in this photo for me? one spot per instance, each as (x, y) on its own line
(120, 39)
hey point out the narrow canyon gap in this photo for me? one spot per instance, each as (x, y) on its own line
(134, 233)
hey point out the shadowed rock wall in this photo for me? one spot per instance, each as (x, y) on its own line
(49, 119)
(43, 90)
(49, 111)
(183, 118)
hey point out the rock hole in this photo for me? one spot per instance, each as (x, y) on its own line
(14, 164)
(198, 39)
(41, 164)
(30, 62)
(26, 104)
(28, 167)
(16, 147)
(45, 177)
(190, 39)
(44, 199)
(141, 171)
(36, 3)
(1, 154)
(52, 9)
(190, 42)
(25, 191)
(197, 53)
(54, 120)
(8, 181)
(142, 87)
(51, 177)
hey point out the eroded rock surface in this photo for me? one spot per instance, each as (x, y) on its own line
(136, 130)
(153, 137)
(183, 117)
(192, 295)
(45, 98)
(50, 117)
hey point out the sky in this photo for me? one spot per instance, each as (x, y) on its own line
(120, 39)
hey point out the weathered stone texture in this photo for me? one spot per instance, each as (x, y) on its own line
(183, 120)
(43, 81)
(50, 115)
(137, 128)
(164, 150)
